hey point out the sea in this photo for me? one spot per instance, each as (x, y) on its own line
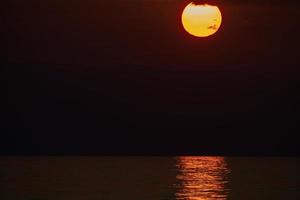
(149, 178)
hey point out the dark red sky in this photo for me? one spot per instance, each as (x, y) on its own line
(147, 32)
(83, 76)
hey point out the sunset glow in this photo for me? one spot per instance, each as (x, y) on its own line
(201, 20)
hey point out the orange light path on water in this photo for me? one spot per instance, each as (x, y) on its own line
(202, 178)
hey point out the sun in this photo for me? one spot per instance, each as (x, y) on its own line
(201, 20)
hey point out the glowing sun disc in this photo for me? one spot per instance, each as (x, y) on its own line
(201, 20)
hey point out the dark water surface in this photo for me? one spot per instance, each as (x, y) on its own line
(153, 178)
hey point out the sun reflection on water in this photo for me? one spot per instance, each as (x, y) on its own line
(201, 178)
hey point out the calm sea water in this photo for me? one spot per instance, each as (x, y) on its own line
(153, 178)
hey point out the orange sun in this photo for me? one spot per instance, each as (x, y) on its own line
(201, 20)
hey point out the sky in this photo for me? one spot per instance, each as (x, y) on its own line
(84, 76)
(146, 32)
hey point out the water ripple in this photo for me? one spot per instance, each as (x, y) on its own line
(201, 178)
